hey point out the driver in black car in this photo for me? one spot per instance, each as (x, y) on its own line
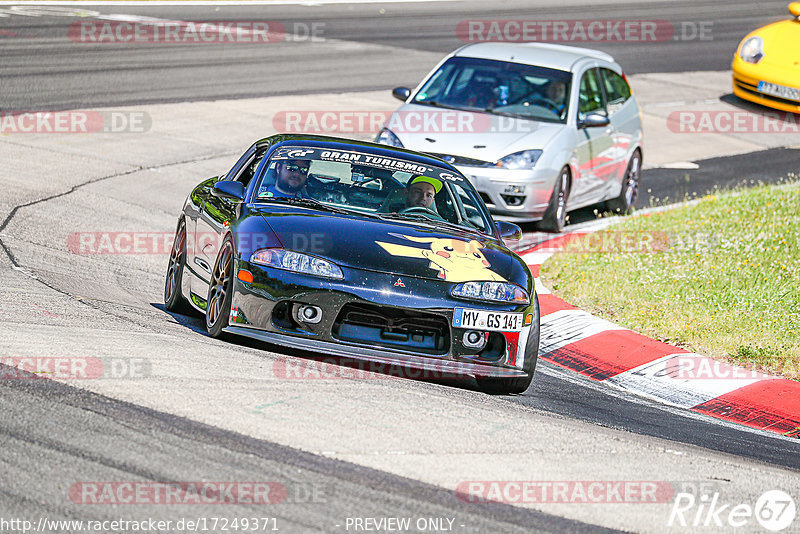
(291, 178)
(420, 191)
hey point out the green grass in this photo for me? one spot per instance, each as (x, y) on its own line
(723, 280)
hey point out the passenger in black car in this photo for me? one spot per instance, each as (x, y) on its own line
(420, 192)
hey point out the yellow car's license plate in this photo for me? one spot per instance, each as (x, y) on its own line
(487, 320)
(779, 90)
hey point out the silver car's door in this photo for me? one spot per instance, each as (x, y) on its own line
(594, 143)
(626, 123)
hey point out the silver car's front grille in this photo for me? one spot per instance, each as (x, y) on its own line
(461, 160)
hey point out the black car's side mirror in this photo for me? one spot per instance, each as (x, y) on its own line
(401, 93)
(508, 230)
(593, 120)
(230, 190)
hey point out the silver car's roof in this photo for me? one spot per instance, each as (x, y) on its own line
(554, 56)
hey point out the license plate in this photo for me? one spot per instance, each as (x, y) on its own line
(779, 90)
(487, 320)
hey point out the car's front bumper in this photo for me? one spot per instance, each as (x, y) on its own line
(520, 195)
(436, 366)
(745, 84)
(257, 313)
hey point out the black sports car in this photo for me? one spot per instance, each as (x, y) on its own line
(359, 250)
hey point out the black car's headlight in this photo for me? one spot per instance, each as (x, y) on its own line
(386, 137)
(525, 159)
(296, 262)
(752, 49)
(494, 291)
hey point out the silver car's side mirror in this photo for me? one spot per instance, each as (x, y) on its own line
(593, 120)
(401, 93)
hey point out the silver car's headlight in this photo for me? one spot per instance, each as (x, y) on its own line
(496, 291)
(386, 137)
(752, 49)
(525, 159)
(295, 261)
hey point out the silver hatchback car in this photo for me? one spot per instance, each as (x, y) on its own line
(539, 129)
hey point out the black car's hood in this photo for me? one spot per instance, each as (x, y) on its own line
(391, 246)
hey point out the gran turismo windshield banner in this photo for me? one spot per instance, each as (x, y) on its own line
(369, 160)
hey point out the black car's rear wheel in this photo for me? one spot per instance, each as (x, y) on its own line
(173, 299)
(220, 289)
(516, 385)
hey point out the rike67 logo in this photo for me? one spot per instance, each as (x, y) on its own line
(774, 511)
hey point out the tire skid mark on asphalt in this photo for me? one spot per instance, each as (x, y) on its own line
(31, 274)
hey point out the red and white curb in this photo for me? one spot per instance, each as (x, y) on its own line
(600, 350)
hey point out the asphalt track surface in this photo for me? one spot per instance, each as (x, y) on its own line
(367, 46)
(144, 444)
(53, 434)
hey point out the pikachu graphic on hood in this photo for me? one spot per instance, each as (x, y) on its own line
(456, 260)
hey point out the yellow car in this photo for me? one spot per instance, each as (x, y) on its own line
(766, 67)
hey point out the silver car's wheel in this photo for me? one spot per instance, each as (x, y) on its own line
(555, 218)
(630, 187)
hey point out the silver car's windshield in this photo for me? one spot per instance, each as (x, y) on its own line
(372, 185)
(499, 87)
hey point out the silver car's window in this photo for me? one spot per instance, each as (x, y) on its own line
(617, 89)
(499, 87)
(371, 185)
(590, 98)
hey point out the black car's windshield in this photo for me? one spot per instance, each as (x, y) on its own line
(499, 87)
(370, 184)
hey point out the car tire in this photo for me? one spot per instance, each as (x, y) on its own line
(220, 290)
(555, 217)
(630, 187)
(173, 298)
(520, 384)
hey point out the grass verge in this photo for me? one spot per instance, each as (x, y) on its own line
(720, 276)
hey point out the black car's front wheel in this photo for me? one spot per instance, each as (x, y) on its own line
(517, 384)
(220, 290)
(173, 299)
